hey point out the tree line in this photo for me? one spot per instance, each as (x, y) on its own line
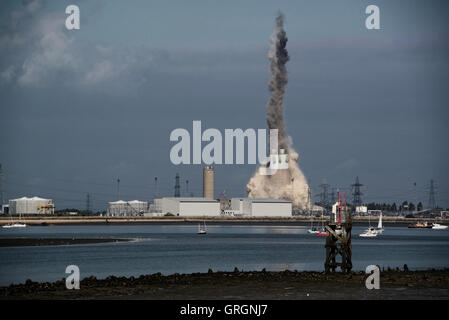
(404, 207)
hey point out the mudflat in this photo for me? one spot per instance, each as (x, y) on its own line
(286, 285)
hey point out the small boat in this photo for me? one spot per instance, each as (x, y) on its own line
(420, 225)
(369, 233)
(14, 225)
(437, 226)
(202, 230)
(313, 230)
(322, 231)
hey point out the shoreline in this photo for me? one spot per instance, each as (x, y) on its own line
(294, 221)
(28, 242)
(284, 285)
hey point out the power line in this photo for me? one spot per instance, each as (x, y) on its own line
(177, 187)
(155, 187)
(88, 202)
(432, 203)
(324, 193)
(333, 196)
(357, 199)
(118, 189)
(1, 185)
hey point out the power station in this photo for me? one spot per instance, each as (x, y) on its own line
(204, 206)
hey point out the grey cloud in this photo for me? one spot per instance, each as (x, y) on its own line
(8, 74)
(40, 52)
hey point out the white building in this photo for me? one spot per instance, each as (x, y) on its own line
(127, 208)
(261, 207)
(5, 208)
(317, 209)
(34, 205)
(361, 209)
(185, 207)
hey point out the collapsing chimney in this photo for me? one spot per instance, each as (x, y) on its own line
(289, 184)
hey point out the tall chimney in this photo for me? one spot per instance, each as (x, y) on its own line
(208, 182)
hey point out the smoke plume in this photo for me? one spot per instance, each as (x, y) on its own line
(289, 184)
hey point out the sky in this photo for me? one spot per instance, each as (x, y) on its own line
(81, 108)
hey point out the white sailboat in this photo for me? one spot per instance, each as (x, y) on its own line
(313, 230)
(316, 230)
(202, 230)
(322, 231)
(380, 227)
(15, 224)
(369, 233)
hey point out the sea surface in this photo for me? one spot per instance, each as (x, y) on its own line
(175, 248)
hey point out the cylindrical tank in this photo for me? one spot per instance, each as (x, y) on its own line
(208, 182)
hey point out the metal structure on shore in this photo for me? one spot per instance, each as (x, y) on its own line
(338, 238)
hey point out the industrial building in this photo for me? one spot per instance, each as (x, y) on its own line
(185, 207)
(259, 207)
(127, 208)
(5, 208)
(361, 210)
(34, 205)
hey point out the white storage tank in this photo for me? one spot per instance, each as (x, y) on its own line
(127, 208)
(26, 205)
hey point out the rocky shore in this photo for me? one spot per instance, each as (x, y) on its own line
(394, 284)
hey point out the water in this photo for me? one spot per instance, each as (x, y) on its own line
(177, 248)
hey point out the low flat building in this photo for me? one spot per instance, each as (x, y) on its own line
(261, 207)
(361, 209)
(187, 207)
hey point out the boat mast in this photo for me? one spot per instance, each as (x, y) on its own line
(322, 220)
